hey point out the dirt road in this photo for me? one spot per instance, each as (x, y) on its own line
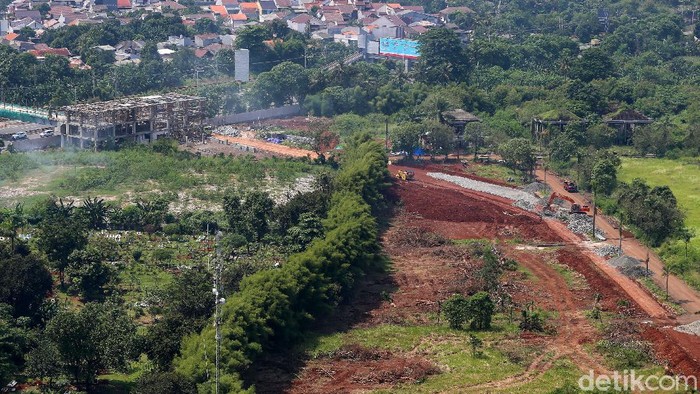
(267, 146)
(679, 290)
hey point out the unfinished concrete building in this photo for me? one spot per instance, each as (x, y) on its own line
(138, 119)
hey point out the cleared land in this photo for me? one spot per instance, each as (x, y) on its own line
(389, 337)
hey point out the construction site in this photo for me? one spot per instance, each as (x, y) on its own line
(137, 119)
(443, 214)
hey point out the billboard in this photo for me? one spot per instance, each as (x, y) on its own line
(399, 47)
(241, 60)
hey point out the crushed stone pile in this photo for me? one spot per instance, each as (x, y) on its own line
(692, 328)
(583, 224)
(629, 266)
(624, 261)
(535, 187)
(496, 190)
(607, 251)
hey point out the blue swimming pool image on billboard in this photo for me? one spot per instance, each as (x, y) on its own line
(398, 47)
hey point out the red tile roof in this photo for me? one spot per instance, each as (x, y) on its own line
(11, 36)
(123, 3)
(50, 51)
(219, 9)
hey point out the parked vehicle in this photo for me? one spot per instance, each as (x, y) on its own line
(19, 136)
(46, 133)
(570, 186)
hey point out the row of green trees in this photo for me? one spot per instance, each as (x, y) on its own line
(273, 308)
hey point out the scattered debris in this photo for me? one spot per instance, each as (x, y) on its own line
(607, 251)
(692, 328)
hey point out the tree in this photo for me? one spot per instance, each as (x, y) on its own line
(406, 137)
(187, 308)
(205, 25)
(24, 284)
(654, 211)
(594, 63)
(42, 361)
(439, 137)
(11, 221)
(443, 59)
(476, 310)
(481, 309)
(95, 212)
(60, 233)
(284, 84)
(88, 273)
(604, 173)
(164, 382)
(97, 337)
(307, 229)
(518, 154)
(14, 342)
(456, 310)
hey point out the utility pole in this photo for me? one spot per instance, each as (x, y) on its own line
(386, 133)
(594, 237)
(620, 235)
(218, 302)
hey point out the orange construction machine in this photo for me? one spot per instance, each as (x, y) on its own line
(575, 207)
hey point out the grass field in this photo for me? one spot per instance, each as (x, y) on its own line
(683, 177)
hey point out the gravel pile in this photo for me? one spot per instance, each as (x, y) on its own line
(692, 328)
(583, 224)
(634, 272)
(624, 261)
(535, 187)
(629, 266)
(501, 191)
(608, 251)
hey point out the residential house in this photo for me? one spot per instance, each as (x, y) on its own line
(165, 6)
(232, 6)
(237, 20)
(40, 51)
(219, 10)
(267, 7)
(34, 15)
(450, 11)
(333, 18)
(180, 41)
(304, 23)
(18, 25)
(228, 40)
(411, 16)
(251, 10)
(202, 40)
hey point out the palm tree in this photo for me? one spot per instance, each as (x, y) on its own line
(95, 212)
(12, 222)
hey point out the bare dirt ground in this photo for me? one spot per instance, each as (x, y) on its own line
(427, 271)
(274, 149)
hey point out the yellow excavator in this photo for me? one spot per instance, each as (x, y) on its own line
(405, 175)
